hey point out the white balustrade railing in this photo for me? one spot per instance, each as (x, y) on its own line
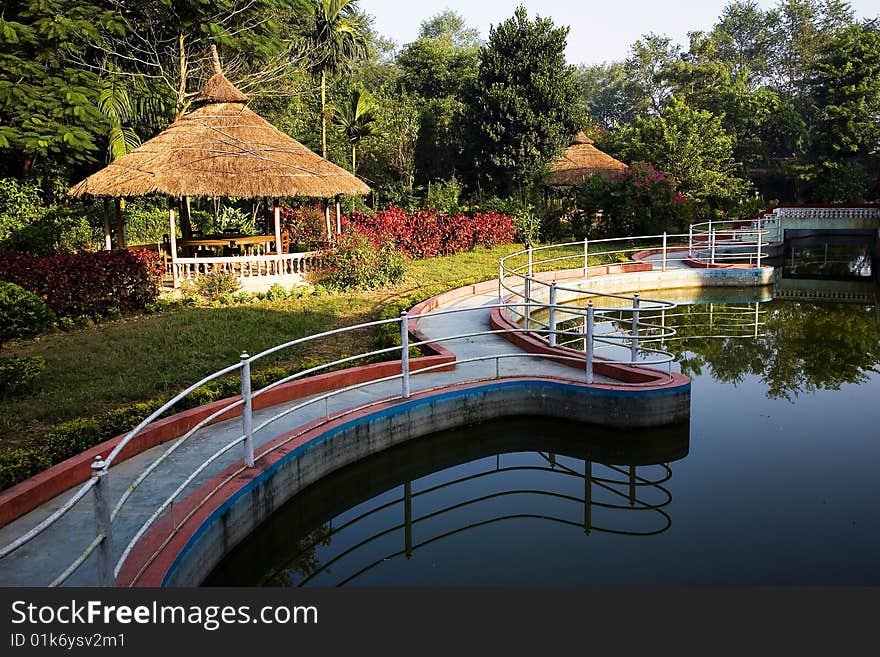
(286, 264)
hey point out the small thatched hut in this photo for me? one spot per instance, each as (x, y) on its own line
(220, 149)
(579, 161)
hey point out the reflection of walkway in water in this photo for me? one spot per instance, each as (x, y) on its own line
(463, 490)
(841, 291)
(622, 487)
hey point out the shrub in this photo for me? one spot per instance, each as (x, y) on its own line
(528, 226)
(641, 200)
(19, 205)
(87, 283)
(22, 313)
(493, 229)
(276, 292)
(216, 284)
(18, 373)
(306, 226)
(358, 261)
(425, 234)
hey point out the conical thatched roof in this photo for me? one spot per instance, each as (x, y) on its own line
(221, 149)
(579, 161)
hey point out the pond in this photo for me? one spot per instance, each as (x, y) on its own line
(773, 482)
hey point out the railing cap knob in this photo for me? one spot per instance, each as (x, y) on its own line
(98, 464)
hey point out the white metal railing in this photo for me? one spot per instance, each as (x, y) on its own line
(285, 264)
(629, 335)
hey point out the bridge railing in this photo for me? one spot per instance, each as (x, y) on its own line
(520, 281)
(107, 514)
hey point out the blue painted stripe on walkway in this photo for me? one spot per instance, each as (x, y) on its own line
(395, 410)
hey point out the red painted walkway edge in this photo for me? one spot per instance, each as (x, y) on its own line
(153, 556)
(646, 378)
(27, 495)
(30, 493)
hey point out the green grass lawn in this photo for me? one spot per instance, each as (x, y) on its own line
(139, 358)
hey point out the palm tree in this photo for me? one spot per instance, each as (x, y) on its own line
(337, 36)
(357, 119)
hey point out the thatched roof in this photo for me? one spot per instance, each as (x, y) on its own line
(221, 149)
(579, 161)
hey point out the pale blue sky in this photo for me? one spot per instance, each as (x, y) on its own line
(600, 31)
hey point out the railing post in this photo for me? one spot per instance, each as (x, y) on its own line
(500, 279)
(634, 346)
(586, 258)
(247, 410)
(711, 246)
(552, 320)
(588, 331)
(531, 261)
(404, 353)
(103, 523)
(664, 251)
(760, 235)
(691, 241)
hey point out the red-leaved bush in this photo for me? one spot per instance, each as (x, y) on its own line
(306, 226)
(87, 283)
(425, 234)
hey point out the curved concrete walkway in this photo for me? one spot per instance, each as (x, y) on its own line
(40, 561)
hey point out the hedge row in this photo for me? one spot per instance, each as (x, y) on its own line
(90, 283)
(427, 234)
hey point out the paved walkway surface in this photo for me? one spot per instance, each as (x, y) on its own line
(44, 558)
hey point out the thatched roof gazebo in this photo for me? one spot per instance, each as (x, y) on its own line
(579, 161)
(221, 149)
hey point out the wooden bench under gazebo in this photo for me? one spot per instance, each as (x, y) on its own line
(224, 149)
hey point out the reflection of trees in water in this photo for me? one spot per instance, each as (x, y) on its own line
(305, 562)
(801, 347)
(828, 260)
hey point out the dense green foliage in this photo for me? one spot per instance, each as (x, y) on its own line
(22, 313)
(526, 106)
(359, 262)
(780, 101)
(17, 374)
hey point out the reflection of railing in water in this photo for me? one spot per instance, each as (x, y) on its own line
(632, 483)
(728, 321)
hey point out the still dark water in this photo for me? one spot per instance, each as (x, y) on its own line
(773, 482)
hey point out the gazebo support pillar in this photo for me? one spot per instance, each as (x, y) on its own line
(172, 245)
(120, 226)
(108, 243)
(278, 235)
(327, 219)
(338, 218)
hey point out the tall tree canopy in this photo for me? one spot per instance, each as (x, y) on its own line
(526, 107)
(336, 34)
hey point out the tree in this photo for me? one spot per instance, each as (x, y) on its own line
(440, 67)
(805, 26)
(845, 92)
(450, 26)
(609, 95)
(357, 118)
(337, 37)
(747, 37)
(691, 146)
(48, 105)
(650, 57)
(388, 159)
(526, 107)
